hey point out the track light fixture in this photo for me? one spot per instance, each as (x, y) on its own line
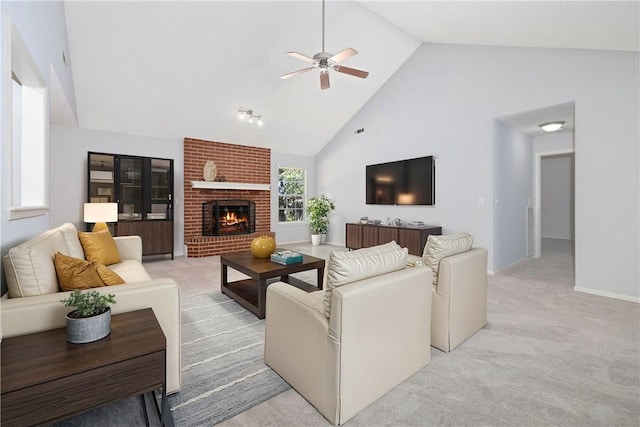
(248, 114)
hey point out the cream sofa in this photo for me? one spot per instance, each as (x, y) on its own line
(459, 307)
(33, 301)
(376, 336)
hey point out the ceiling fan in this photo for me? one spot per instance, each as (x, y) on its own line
(325, 61)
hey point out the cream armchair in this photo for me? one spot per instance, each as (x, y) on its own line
(377, 336)
(459, 299)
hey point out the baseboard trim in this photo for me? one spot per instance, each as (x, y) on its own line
(606, 294)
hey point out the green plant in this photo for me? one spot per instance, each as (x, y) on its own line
(318, 210)
(88, 303)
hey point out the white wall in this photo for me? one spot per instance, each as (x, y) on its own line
(69, 147)
(512, 179)
(557, 196)
(298, 232)
(443, 101)
(42, 27)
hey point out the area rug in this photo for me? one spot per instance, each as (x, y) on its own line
(223, 370)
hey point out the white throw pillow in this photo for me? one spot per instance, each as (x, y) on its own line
(29, 266)
(70, 234)
(361, 264)
(439, 247)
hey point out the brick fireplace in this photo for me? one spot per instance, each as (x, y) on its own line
(237, 164)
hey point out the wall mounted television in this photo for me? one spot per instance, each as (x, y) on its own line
(404, 182)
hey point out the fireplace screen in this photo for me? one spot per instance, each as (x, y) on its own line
(227, 217)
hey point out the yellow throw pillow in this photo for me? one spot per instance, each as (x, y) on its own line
(108, 276)
(74, 273)
(100, 247)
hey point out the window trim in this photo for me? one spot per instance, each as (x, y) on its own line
(18, 61)
(304, 198)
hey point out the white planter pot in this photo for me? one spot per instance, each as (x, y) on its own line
(88, 329)
(315, 239)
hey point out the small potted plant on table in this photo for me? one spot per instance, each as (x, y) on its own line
(91, 320)
(318, 210)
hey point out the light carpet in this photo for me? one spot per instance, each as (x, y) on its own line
(223, 370)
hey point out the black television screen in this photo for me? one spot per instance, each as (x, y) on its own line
(405, 182)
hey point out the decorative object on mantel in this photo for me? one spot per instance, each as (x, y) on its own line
(221, 178)
(263, 246)
(91, 320)
(243, 114)
(210, 171)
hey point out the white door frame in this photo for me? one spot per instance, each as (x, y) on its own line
(537, 211)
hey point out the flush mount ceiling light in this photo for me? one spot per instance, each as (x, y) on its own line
(248, 114)
(551, 126)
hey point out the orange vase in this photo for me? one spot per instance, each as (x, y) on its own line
(263, 246)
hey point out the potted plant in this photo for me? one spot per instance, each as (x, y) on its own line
(318, 210)
(91, 319)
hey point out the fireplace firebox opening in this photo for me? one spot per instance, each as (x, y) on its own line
(228, 217)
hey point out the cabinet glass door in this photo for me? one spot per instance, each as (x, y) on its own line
(101, 182)
(160, 189)
(131, 197)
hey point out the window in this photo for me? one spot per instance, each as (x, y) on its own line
(291, 186)
(28, 145)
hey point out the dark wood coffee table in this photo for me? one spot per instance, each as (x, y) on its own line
(252, 293)
(45, 378)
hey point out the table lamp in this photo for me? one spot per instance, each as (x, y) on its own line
(100, 214)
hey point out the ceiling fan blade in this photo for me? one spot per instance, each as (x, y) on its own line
(301, 56)
(343, 54)
(351, 71)
(295, 73)
(324, 80)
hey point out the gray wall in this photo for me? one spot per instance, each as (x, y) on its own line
(42, 27)
(557, 199)
(444, 100)
(512, 179)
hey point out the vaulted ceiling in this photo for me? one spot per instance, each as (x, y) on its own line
(183, 69)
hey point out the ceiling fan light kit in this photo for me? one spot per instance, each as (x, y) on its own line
(326, 61)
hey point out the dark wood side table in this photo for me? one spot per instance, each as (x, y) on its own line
(46, 379)
(252, 293)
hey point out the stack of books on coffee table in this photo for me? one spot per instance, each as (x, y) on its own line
(286, 257)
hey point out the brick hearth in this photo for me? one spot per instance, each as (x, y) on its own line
(237, 163)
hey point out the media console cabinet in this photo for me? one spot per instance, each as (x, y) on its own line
(367, 235)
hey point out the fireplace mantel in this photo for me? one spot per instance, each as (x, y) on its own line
(214, 185)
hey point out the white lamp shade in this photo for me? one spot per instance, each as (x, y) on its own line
(100, 212)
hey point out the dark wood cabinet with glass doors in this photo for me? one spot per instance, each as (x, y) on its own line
(143, 189)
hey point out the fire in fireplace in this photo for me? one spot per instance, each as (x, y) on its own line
(228, 217)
